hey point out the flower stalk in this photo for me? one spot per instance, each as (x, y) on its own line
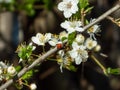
(99, 64)
(82, 17)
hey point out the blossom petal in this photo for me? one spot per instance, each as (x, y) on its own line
(39, 35)
(35, 40)
(79, 29)
(78, 60)
(61, 6)
(67, 14)
(65, 25)
(52, 43)
(73, 53)
(74, 8)
(48, 36)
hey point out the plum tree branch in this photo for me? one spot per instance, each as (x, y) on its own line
(50, 52)
(103, 16)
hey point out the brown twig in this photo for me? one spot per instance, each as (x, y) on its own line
(103, 16)
(43, 57)
(115, 21)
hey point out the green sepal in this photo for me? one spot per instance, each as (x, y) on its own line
(72, 68)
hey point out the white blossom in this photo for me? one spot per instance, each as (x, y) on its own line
(76, 46)
(78, 53)
(90, 44)
(11, 70)
(68, 7)
(93, 30)
(72, 26)
(48, 36)
(64, 60)
(33, 86)
(63, 34)
(41, 39)
(53, 41)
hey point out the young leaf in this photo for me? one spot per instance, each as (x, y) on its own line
(71, 37)
(64, 38)
(115, 71)
(27, 75)
(83, 4)
(88, 9)
(18, 68)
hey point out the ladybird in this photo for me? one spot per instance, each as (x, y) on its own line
(59, 45)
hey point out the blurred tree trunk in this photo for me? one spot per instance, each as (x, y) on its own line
(6, 25)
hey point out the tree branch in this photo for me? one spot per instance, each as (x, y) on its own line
(43, 57)
(103, 16)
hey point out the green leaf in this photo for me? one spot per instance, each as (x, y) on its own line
(88, 9)
(25, 51)
(86, 21)
(18, 68)
(115, 71)
(27, 75)
(83, 4)
(64, 38)
(71, 37)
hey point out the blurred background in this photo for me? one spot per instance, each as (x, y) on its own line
(19, 26)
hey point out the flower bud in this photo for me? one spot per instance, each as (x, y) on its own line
(80, 38)
(33, 86)
(97, 48)
(11, 70)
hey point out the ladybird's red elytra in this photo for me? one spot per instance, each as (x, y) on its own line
(59, 45)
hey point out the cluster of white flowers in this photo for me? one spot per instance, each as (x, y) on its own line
(78, 50)
(6, 71)
(41, 39)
